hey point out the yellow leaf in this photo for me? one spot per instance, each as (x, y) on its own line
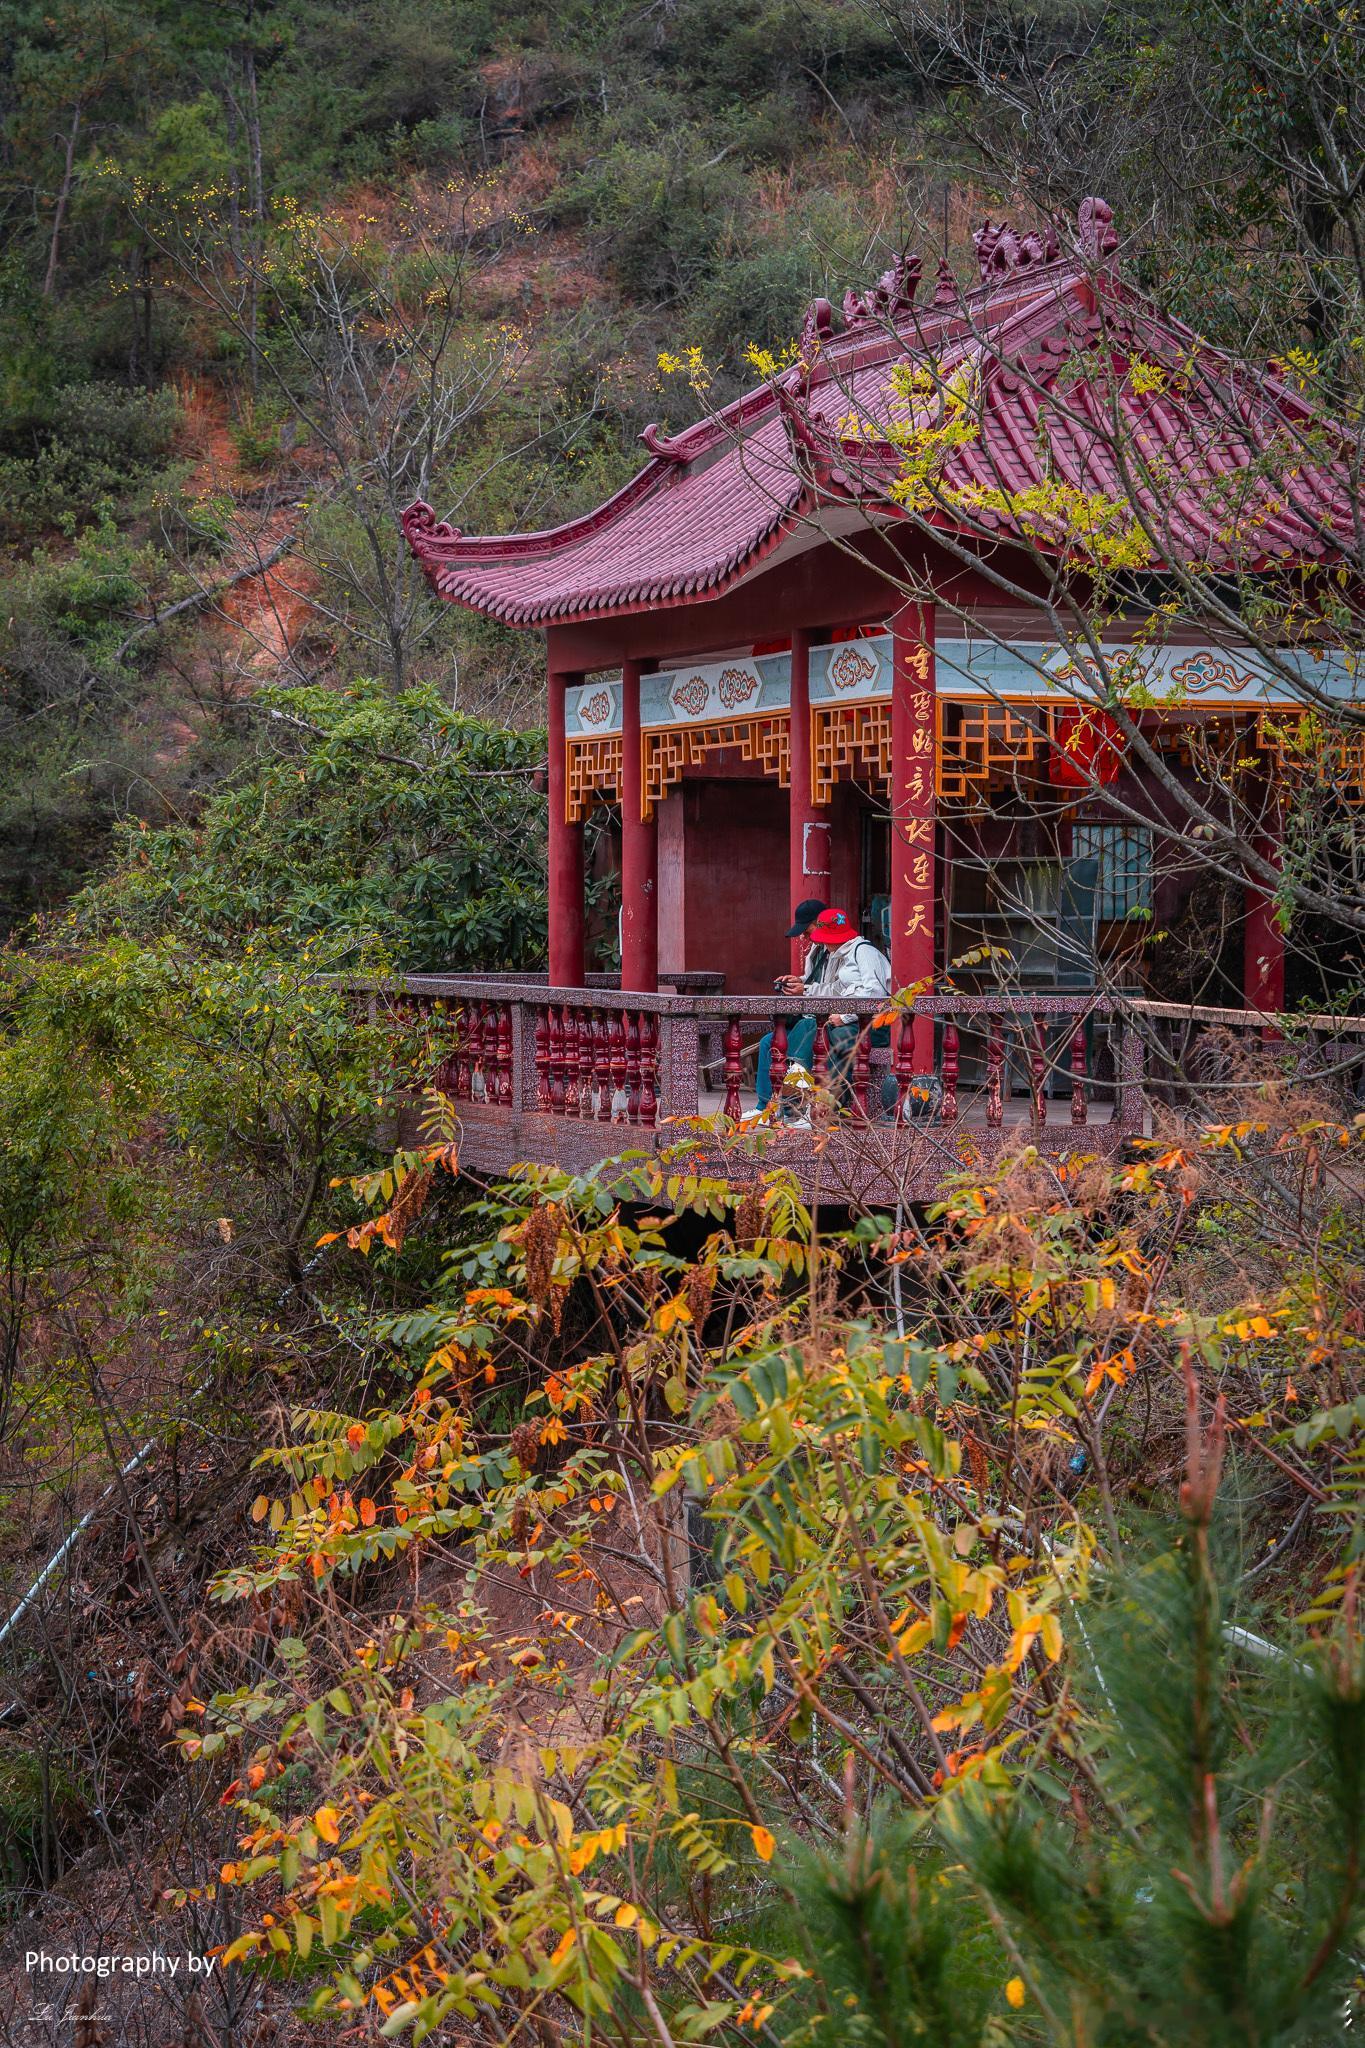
(243, 1946)
(764, 1844)
(565, 1943)
(626, 1916)
(1014, 1992)
(325, 1821)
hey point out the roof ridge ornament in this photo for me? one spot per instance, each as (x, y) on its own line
(947, 291)
(816, 330)
(665, 447)
(420, 524)
(802, 437)
(890, 298)
(1000, 252)
(1096, 236)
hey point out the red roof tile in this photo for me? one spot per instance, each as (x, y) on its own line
(1228, 470)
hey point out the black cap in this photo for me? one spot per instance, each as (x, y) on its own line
(804, 916)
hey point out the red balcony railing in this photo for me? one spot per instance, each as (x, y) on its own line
(553, 1074)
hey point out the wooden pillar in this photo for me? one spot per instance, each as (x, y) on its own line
(639, 850)
(565, 850)
(913, 766)
(808, 870)
(1262, 938)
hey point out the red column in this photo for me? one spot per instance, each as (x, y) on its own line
(808, 859)
(1262, 939)
(913, 750)
(639, 850)
(566, 852)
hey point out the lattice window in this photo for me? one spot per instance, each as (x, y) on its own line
(593, 773)
(986, 745)
(856, 737)
(667, 752)
(1124, 853)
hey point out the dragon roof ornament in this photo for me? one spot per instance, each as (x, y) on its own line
(1000, 251)
(890, 298)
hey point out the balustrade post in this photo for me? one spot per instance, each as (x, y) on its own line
(777, 1062)
(618, 1066)
(819, 1057)
(632, 1031)
(903, 1066)
(601, 1040)
(476, 1081)
(679, 1078)
(649, 1060)
(522, 1056)
(995, 1074)
(1038, 1072)
(948, 1104)
(544, 1099)
(571, 1036)
(463, 1077)
(733, 1041)
(587, 1107)
(556, 1059)
(1080, 1110)
(1128, 1093)
(862, 1072)
(504, 1055)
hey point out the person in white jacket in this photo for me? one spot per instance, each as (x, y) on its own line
(843, 963)
(840, 963)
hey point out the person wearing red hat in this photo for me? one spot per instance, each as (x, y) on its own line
(841, 962)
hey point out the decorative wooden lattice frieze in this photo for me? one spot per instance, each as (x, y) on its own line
(849, 738)
(1301, 750)
(983, 745)
(670, 750)
(593, 774)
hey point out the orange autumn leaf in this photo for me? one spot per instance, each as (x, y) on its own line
(368, 1511)
(764, 1843)
(325, 1821)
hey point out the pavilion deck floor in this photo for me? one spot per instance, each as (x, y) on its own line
(845, 1164)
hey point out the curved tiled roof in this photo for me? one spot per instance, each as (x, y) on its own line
(1069, 380)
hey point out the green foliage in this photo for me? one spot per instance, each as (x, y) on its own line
(91, 443)
(389, 829)
(849, 1557)
(40, 1802)
(71, 726)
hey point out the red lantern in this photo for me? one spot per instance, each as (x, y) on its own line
(1087, 748)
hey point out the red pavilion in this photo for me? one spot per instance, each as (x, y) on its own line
(785, 687)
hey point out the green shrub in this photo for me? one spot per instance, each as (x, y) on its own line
(391, 827)
(91, 443)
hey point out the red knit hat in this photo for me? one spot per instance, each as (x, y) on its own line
(832, 928)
